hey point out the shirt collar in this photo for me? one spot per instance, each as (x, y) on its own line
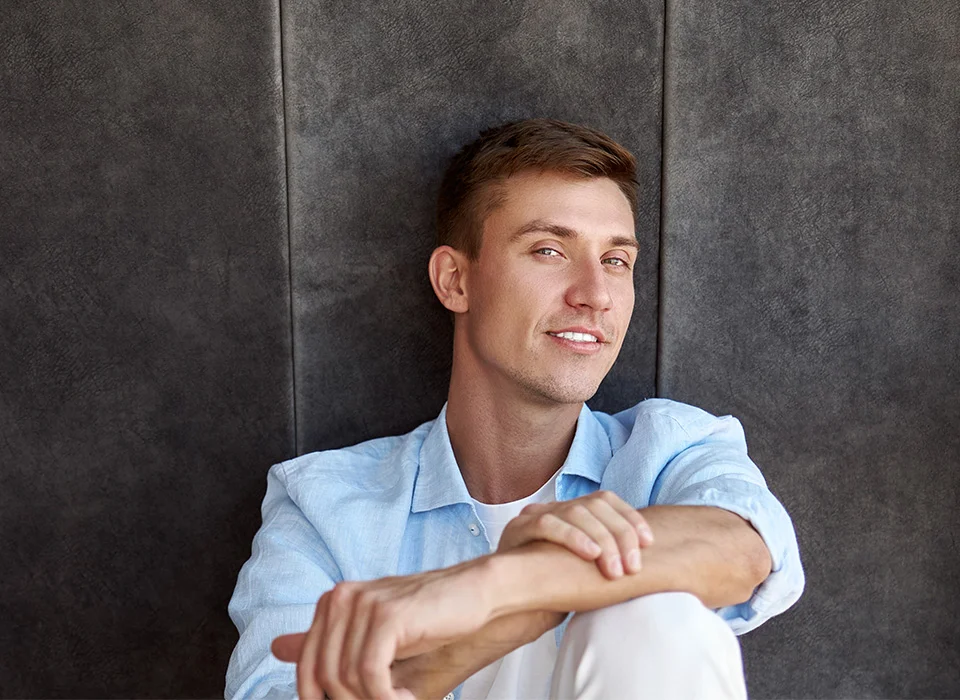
(439, 481)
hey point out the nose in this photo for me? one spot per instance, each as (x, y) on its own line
(590, 287)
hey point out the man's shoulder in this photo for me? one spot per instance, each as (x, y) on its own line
(657, 432)
(371, 464)
(663, 414)
(347, 506)
(658, 429)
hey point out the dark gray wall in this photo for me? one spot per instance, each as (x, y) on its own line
(378, 99)
(165, 338)
(145, 380)
(811, 286)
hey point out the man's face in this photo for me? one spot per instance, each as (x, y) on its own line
(551, 293)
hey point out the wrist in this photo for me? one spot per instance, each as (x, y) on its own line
(505, 587)
(478, 580)
(427, 675)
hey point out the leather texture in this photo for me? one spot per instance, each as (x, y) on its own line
(145, 380)
(165, 336)
(379, 97)
(810, 287)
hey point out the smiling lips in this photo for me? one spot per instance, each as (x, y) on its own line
(580, 341)
(577, 337)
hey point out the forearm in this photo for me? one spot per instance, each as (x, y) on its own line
(709, 552)
(434, 674)
(712, 553)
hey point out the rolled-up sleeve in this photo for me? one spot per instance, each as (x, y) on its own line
(276, 593)
(704, 463)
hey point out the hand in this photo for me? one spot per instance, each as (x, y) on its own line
(599, 526)
(437, 672)
(288, 647)
(362, 627)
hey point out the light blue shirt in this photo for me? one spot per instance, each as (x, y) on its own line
(399, 505)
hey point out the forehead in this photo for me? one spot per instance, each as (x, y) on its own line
(594, 207)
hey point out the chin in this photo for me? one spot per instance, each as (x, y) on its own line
(555, 392)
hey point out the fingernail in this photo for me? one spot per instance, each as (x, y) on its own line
(645, 532)
(616, 567)
(633, 560)
(594, 549)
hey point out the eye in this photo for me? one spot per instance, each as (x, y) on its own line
(618, 262)
(547, 252)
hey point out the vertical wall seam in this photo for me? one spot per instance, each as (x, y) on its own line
(661, 264)
(286, 168)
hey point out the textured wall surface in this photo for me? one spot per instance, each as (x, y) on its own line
(144, 335)
(164, 337)
(378, 99)
(811, 286)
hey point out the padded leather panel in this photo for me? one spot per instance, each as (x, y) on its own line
(378, 98)
(145, 380)
(811, 286)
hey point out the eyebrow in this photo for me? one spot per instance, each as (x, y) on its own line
(560, 231)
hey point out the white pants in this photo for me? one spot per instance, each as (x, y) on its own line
(657, 647)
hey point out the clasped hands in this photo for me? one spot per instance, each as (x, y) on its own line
(362, 628)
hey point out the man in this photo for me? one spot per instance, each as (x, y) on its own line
(382, 551)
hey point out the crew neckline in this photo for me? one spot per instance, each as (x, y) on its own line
(544, 494)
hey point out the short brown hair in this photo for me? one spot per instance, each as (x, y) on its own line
(469, 192)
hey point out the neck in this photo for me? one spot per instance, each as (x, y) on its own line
(507, 445)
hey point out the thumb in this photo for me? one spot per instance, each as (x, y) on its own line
(287, 647)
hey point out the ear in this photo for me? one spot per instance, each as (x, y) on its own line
(448, 272)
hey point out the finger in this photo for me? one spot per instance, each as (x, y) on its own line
(352, 656)
(553, 528)
(307, 686)
(632, 515)
(534, 508)
(380, 648)
(582, 516)
(287, 647)
(520, 529)
(339, 613)
(628, 540)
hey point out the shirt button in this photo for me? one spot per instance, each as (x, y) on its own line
(474, 530)
(448, 696)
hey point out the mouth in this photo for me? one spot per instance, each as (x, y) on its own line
(580, 341)
(579, 335)
(575, 337)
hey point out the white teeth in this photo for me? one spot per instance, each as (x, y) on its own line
(579, 337)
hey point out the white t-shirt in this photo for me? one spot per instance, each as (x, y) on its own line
(525, 672)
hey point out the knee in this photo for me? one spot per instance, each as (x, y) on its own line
(668, 625)
(669, 644)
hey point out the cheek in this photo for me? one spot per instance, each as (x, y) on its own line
(514, 299)
(500, 306)
(624, 299)
(517, 294)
